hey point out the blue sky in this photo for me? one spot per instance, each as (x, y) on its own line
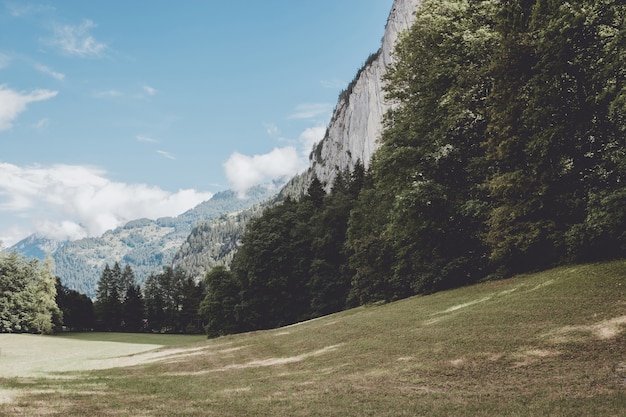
(116, 110)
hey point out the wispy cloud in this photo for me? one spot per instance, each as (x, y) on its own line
(272, 130)
(135, 95)
(49, 71)
(149, 90)
(12, 103)
(108, 94)
(166, 154)
(142, 138)
(23, 9)
(73, 201)
(5, 60)
(311, 110)
(42, 124)
(77, 40)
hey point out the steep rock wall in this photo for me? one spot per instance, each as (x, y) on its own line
(356, 123)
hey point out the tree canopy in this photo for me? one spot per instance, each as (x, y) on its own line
(27, 295)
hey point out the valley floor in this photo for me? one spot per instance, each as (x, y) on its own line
(547, 344)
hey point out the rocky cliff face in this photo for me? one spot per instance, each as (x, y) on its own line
(356, 124)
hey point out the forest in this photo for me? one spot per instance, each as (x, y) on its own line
(505, 153)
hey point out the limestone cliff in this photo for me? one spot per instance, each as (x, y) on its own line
(356, 123)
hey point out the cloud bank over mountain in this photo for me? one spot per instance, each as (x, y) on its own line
(244, 172)
(74, 201)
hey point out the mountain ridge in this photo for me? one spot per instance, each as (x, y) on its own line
(144, 244)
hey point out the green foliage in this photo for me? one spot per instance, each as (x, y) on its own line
(291, 266)
(119, 304)
(504, 151)
(272, 266)
(77, 308)
(218, 309)
(27, 295)
(171, 301)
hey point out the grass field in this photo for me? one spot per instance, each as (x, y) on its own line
(547, 344)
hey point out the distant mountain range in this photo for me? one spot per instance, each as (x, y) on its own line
(146, 245)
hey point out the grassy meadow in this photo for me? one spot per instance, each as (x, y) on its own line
(546, 344)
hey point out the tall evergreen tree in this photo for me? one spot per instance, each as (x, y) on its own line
(219, 307)
(272, 266)
(133, 309)
(154, 303)
(77, 308)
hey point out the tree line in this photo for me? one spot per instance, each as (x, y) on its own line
(505, 152)
(168, 302)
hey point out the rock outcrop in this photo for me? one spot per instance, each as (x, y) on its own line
(356, 123)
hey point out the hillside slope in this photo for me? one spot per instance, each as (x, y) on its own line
(547, 344)
(214, 242)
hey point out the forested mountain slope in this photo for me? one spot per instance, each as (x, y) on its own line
(215, 242)
(145, 245)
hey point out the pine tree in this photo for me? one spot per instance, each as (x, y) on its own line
(108, 305)
(133, 309)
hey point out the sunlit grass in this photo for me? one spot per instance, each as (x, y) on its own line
(548, 344)
(139, 338)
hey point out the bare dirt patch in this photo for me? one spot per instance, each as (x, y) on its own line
(261, 363)
(604, 330)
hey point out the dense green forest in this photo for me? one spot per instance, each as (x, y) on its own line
(505, 153)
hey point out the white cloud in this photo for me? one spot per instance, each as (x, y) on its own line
(46, 70)
(243, 172)
(12, 103)
(311, 110)
(310, 137)
(5, 60)
(11, 236)
(142, 138)
(72, 201)
(166, 154)
(77, 40)
(149, 90)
